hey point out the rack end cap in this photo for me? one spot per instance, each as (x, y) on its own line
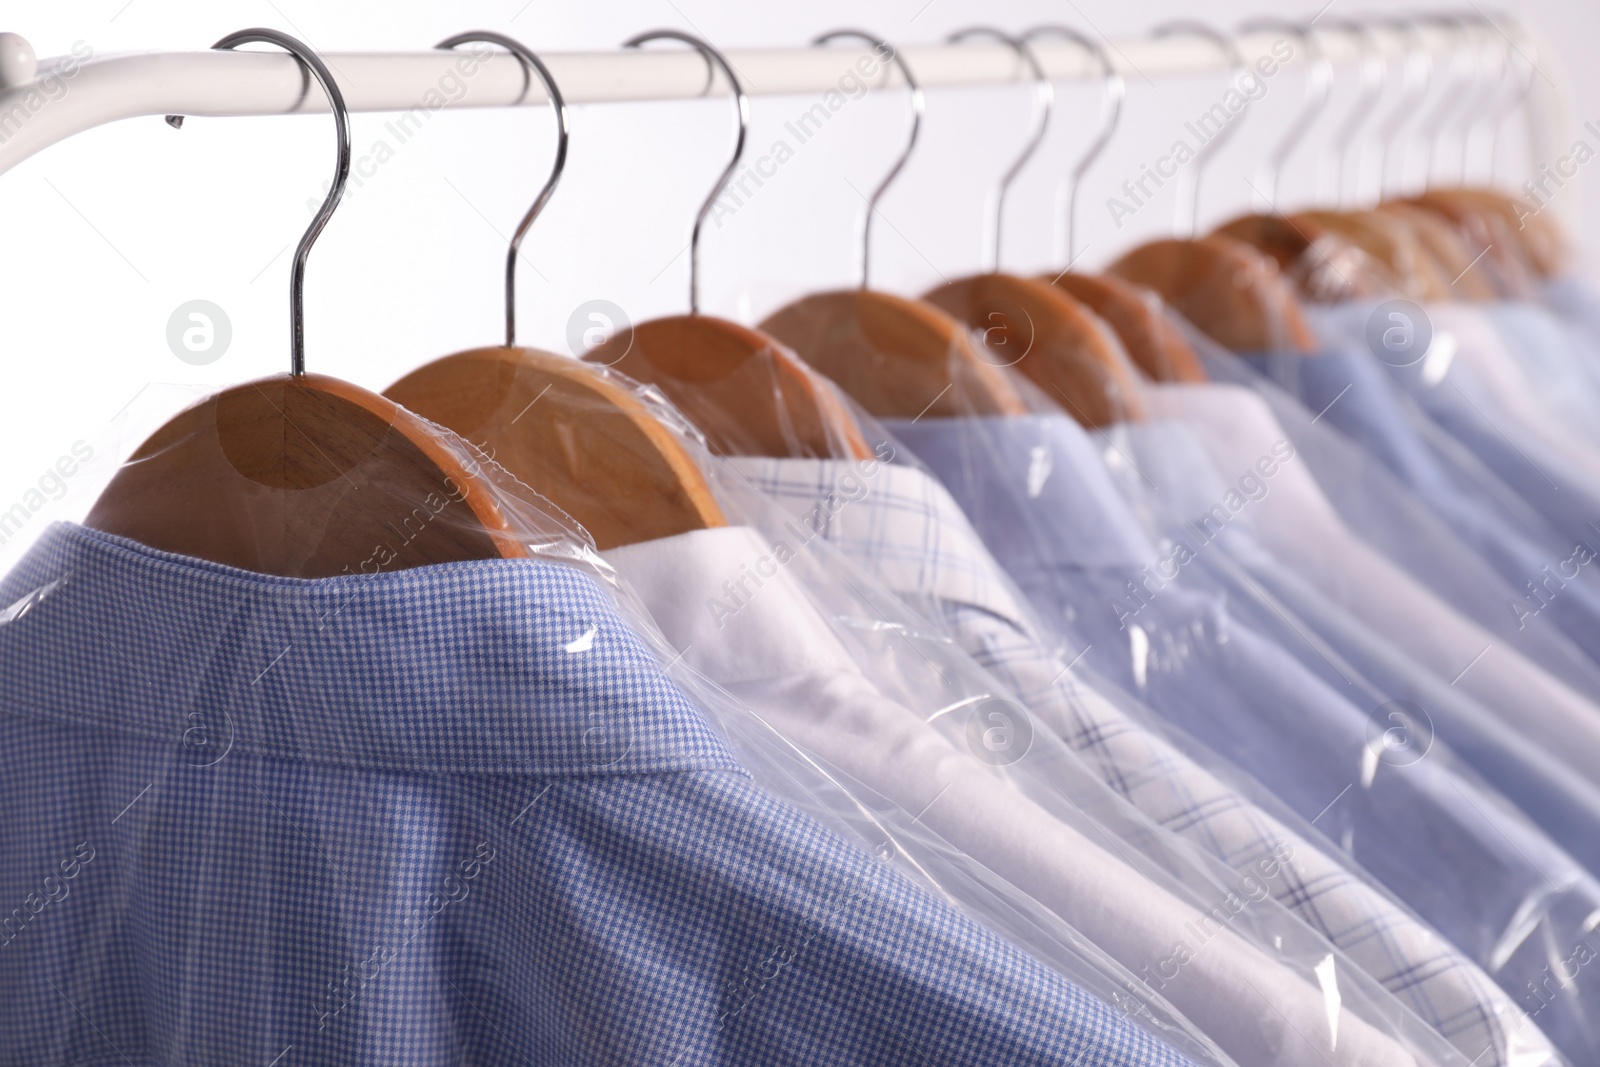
(18, 64)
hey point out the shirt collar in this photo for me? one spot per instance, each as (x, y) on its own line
(728, 598)
(1166, 459)
(896, 521)
(489, 666)
(1243, 437)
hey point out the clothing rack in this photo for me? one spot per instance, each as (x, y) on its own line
(36, 111)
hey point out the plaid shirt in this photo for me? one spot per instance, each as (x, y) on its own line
(906, 528)
(443, 815)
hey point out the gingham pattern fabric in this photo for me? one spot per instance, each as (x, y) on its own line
(451, 815)
(908, 530)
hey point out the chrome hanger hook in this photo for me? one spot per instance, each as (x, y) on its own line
(1536, 133)
(1480, 119)
(715, 60)
(884, 49)
(530, 63)
(1517, 56)
(1230, 51)
(341, 172)
(1458, 98)
(1416, 55)
(1319, 85)
(1374, 77)
(1111, 115)
(1519, 45)
(1043, 99)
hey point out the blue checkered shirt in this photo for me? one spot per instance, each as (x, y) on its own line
(907, 529)
(453, 814)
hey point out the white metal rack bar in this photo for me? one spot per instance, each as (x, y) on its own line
(69, 94)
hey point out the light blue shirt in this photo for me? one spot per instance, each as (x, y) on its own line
(907, 531)
(1395, 520)
(1461, 856)
(448, 814)
(1354, 393)
(1465, 406)
(1174, 485)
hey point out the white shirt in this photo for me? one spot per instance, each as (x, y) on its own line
(780, 656)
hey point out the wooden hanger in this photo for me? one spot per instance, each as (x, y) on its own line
(1496, 271)
(1414, 262)
(1223, 286)
(1041, 331)
(1389, 240)
(564, 428)
(1334, 255)
(1513, 244)
(1323, 265)
(305, 476)
(740, 387)
(573, 435)
(1052, 340)
(1517, 237)
(1133, 314)
(896, 357)
(1446, 246)
(1227, 289)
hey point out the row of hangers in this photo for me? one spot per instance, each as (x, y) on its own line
(298, 475)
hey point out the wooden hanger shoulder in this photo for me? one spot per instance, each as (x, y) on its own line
(1388, 239)
(1446, 245)
(896, 357)
(1155, 347)
(579, 440)
(1052, 340)
(1227, 289)
(305, 477)
(1324, 265)
(1518, 237)
(740, 387)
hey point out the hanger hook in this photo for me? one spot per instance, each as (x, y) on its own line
(1485, 76)
(715, 60)
(1110, 115)
(1480, 119)
(341, 171)
(1485, 117)
(1043, 98)
(1230, 52)
(531, 64)
(884, 48)
(1519, 45)
(1374, 77)
(1319, 85)
(1456, 96)
(1416, 55)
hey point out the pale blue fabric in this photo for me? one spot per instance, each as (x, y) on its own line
(1459, 854)
(1464, 405)
(1576, 301)
(455, 814)
(1176, 484)
(1354, 393)
(1395, 520)
(1560, 361)
(909, 533)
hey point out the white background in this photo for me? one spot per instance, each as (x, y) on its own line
(105, 235)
